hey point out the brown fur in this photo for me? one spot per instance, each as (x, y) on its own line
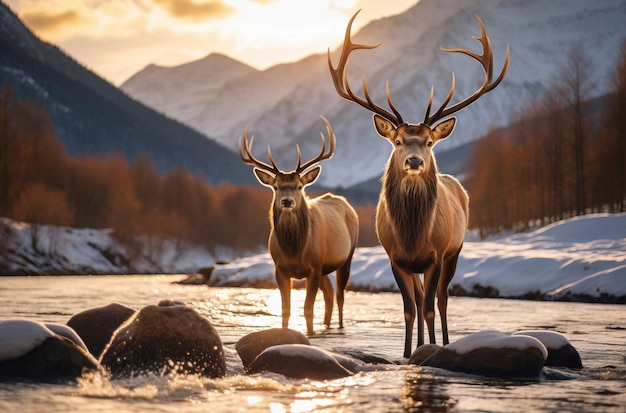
(309, 241)
(421, 221)
(422, 216)
(326, 234)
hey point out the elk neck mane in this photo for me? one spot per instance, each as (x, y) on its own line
(411, 205)
(291, 229)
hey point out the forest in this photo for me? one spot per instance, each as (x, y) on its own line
(564, 155)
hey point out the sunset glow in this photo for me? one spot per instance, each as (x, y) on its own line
(117, 38)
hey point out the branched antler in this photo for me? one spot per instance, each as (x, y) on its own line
(249, 159)
(486, 61)
(322, 155)
(340, 79)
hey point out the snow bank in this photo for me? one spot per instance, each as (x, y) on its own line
(582, 256)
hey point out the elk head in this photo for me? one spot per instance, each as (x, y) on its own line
(413, 142)
(288, 187)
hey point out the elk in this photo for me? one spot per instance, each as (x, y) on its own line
(422, 215)
(309, 238)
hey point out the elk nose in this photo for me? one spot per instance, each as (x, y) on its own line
(287, 202)
(414, 163)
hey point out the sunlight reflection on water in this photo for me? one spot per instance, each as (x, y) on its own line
(374, 325)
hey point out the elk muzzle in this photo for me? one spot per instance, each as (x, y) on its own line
(414, 165)
(287, 203)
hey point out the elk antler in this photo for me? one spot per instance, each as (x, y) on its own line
(249, 159)
(340, 80)
(486, 61)
(322, 156)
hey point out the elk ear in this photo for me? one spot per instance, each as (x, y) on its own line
(383, 126)
(263, 177)
(444, 129)
(311, 176)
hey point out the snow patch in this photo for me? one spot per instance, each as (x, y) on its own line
(495, 340)
(18, 337)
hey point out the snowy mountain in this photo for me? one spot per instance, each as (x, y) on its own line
(578, 259)
(282, 104)
(93, 117)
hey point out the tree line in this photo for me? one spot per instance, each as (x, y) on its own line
(563, 156)
(41, 184)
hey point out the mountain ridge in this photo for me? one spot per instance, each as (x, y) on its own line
(282, 104)
(91, 116)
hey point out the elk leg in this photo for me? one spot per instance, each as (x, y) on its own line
(449, 268)
(284, 285)
(405, 282)
(431, 281)
(312, 285)
(343, 273)
(419, 300)
(327, 288)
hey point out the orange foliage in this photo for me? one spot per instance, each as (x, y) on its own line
(559, 159)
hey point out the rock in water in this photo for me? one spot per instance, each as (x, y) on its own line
(253, 344)
(561, 353)
(33, 351)
(299, 361)
(167, 337)
(96, 325)
(491, 353)
(423, 352)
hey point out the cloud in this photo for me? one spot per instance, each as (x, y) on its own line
(44, 22)
(194, 9)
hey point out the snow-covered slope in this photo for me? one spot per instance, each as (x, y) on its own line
(582, 256)
(282, 104)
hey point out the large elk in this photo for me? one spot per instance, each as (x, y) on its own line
(309, 238)
(422, 215)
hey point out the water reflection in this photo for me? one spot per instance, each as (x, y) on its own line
(426, 393)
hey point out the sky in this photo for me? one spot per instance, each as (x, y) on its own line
(117, 38)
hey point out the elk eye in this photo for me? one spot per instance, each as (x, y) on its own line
(299, 187)
(398, 142)
(430, 143)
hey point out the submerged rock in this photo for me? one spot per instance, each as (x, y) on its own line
(491, 353)
(253, 344)
(96, 325)
(423, 352)
(561, 353)
(299, 361)
(35, 351)
(167, 337)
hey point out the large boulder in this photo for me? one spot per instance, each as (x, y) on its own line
(491, 353)
(170, 336)
(299, 361)
(96, 325)
(35, 351)
(253, 344)
(561, 353)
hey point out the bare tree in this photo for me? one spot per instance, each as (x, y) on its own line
(576, 83)
(615, 128)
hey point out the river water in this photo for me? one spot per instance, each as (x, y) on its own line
(373, 324)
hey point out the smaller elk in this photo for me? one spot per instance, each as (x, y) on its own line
(422, 214)
(309, 238)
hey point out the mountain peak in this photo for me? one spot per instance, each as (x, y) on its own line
(282, 104)
(91, 116)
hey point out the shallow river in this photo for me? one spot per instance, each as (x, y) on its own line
(373, 325)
